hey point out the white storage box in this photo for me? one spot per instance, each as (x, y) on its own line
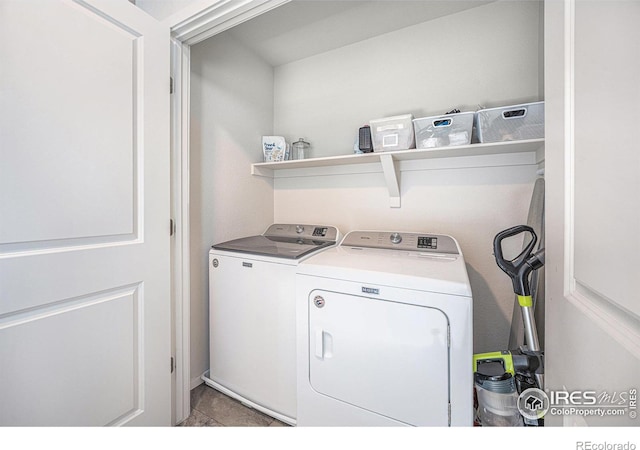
(511, 123)
(443, 131)
(392, 133)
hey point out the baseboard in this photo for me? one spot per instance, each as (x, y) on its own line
(197, 381)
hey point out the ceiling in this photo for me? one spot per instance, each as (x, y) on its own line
(304, 28)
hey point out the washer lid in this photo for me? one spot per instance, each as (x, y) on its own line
(277, 246)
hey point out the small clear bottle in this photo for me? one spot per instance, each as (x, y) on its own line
(300, 149)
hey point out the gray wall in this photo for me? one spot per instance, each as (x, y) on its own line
(488, 55)
(231, 108)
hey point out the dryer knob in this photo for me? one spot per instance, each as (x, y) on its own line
(395, 238)
(299, 229)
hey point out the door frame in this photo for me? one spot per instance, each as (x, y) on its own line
(191, 25)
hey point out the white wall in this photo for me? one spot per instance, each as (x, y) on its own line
(487, 55)
(471, 204)
(161, 9)
(231, 108)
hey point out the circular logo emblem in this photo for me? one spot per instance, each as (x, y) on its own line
(215, 263)
(533, 403)
(318, 301)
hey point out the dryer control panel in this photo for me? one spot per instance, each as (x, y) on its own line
(393, 240)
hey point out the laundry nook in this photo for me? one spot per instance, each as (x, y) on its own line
(322, 221)
(416, 167)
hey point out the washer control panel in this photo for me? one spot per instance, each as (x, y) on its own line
(430, 242)
(318, 232)
(418, 242)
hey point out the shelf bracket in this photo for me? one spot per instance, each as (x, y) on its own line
(261, 171)
(392, 177)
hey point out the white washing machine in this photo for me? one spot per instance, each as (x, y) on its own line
(385, 329)
(252, 340)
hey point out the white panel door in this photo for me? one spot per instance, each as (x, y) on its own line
(84, 214)
(386, 357)
(593, 201)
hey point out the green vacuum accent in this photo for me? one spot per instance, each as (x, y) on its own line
(509, 361)
(503, 358)
(525, 300)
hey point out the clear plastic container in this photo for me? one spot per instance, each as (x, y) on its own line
(497, 400)
(498, 409)
(511, 123)
(392, 133)
(443, 131)
(300, 149)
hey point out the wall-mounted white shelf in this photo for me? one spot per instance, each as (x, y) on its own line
(389, 161)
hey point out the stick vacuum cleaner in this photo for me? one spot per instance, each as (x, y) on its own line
(513, 371)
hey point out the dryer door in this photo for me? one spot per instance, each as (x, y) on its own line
(387, 357)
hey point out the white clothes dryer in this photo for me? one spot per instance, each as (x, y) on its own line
(252, 323)
(385, 329)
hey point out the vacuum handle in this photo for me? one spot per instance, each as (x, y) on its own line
(518, 268)
(511, 266)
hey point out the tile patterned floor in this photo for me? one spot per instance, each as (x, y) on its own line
(210, 408)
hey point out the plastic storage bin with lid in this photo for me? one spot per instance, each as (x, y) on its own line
(392, 133)
(443, 131)
(511, 123)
